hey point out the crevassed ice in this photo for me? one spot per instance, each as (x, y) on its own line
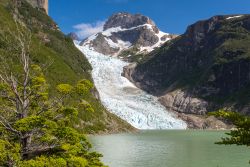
(122, 98)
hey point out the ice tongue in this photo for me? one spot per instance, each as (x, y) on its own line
(122, 98)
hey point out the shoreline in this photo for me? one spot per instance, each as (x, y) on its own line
(159, 130)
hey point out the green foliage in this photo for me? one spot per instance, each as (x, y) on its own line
(55, 161)
(38, 80)
(86, 106)
(38, 133)
(64, 88)
(9, 153)
(29, 123)
(132, 55)
(70, 111)
(87, 83)
(83, 87)
(239, 136)
(44, 161)
(77, 162)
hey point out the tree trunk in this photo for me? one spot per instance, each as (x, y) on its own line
(25, 146)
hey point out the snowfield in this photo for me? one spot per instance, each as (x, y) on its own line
(233, 17)
(123, 45)
(122, 98)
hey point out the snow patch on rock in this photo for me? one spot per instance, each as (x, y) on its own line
(158, 44)
(109, 31)
(233, 17)
(119, 45)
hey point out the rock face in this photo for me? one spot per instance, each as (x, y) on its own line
(204, 122)
(73, 36)
(206, 68)
(182, 102)
(126, 20)
(43, 4)
(124, 31)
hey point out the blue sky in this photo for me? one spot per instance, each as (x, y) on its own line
(173, 16)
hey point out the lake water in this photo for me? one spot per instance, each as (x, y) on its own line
(169, 148)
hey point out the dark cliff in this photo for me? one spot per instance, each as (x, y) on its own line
(206, 68)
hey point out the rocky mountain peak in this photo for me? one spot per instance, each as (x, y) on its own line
(126, 35)
(127, 20)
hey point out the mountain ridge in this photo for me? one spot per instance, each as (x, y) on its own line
(202, 70)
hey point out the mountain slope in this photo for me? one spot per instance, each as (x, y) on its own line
(125, 35)
(63, 62)
(206, 68)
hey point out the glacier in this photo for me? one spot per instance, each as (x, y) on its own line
(121, 97)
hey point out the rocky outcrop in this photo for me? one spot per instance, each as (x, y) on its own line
(128, 71)
(101, 45)
(126, 20)
(183, 102)
(204, 122)
(124, 31)
(43, 4)
(73, 36)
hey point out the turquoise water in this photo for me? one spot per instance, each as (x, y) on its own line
(169, 149)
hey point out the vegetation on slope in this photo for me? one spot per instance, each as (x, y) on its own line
(132, 55)
(35, 129)
(60, 60)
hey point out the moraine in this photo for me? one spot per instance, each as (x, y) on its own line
(122, 98)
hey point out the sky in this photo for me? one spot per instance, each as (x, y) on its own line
(86, 17)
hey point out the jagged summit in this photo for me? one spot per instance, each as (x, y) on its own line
(127, 20)
(124, 32)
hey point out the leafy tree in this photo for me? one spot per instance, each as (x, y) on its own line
(241, 134)
(35, 129)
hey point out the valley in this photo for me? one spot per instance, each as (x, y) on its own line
(116, 87)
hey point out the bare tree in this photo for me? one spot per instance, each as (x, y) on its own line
(19, 92)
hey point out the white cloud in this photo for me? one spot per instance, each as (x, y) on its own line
(85, 30)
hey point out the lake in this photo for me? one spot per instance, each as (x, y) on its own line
(169, 148)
